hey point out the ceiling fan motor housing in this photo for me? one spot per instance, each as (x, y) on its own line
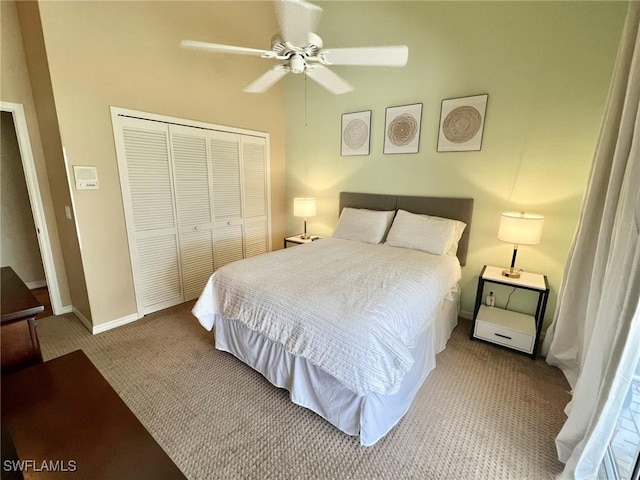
(296, 63)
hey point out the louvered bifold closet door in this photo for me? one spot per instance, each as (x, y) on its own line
(256, 206)
(193, 204)
(149, 177)
(224, 152)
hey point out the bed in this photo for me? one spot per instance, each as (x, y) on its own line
(349, 326)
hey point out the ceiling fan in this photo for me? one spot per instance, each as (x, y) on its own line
(302, 51)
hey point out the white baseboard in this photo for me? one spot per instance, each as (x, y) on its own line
(84, 320)
(465, 314)
(65, 309)
(36, 284)
(103, 327)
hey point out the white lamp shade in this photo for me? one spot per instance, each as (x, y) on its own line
(304, 207)
(520, 228)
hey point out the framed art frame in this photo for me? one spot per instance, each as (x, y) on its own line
(402, 129)
(356, 133)
(462, 123)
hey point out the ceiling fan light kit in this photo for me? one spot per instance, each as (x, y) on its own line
(302, 51)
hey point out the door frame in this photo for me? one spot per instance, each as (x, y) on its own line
(35, 199)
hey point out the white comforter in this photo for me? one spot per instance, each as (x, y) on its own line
(350, 308)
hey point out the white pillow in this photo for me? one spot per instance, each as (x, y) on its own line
(435, 235)
(367, 226)
(457, 234)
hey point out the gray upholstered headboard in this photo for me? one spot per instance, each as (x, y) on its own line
(456, 208)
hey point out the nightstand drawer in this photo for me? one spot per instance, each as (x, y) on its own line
(504, 336)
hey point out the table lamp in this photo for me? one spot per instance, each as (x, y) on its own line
(304, 207)
(520, 229)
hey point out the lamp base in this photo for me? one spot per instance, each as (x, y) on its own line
(305, 236)
(511, 273)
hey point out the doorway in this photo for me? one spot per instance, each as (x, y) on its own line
(26, 243)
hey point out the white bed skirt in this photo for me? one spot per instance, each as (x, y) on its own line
(371, 416)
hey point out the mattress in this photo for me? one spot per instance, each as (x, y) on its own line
(357, 315)
(369, 417)
(352, 340)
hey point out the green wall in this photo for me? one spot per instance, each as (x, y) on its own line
(546, 67)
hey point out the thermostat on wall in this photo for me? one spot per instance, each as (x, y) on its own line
(86, 177)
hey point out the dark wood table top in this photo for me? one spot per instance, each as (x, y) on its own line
(64, 410)
(17, 300)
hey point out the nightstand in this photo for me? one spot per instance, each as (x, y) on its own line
(514, 330)
(298, 240)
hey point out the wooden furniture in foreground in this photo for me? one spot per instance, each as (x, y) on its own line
(19, 345)
(65, 411)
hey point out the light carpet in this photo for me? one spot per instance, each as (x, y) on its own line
(483, 413)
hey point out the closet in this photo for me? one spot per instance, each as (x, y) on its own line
(196, 197)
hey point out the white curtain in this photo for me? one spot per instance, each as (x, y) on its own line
(595, 336)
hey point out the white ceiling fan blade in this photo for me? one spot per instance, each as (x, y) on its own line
(216, 47)
(267, 79)
(329, 80)
(297, 19)
(390, 56)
